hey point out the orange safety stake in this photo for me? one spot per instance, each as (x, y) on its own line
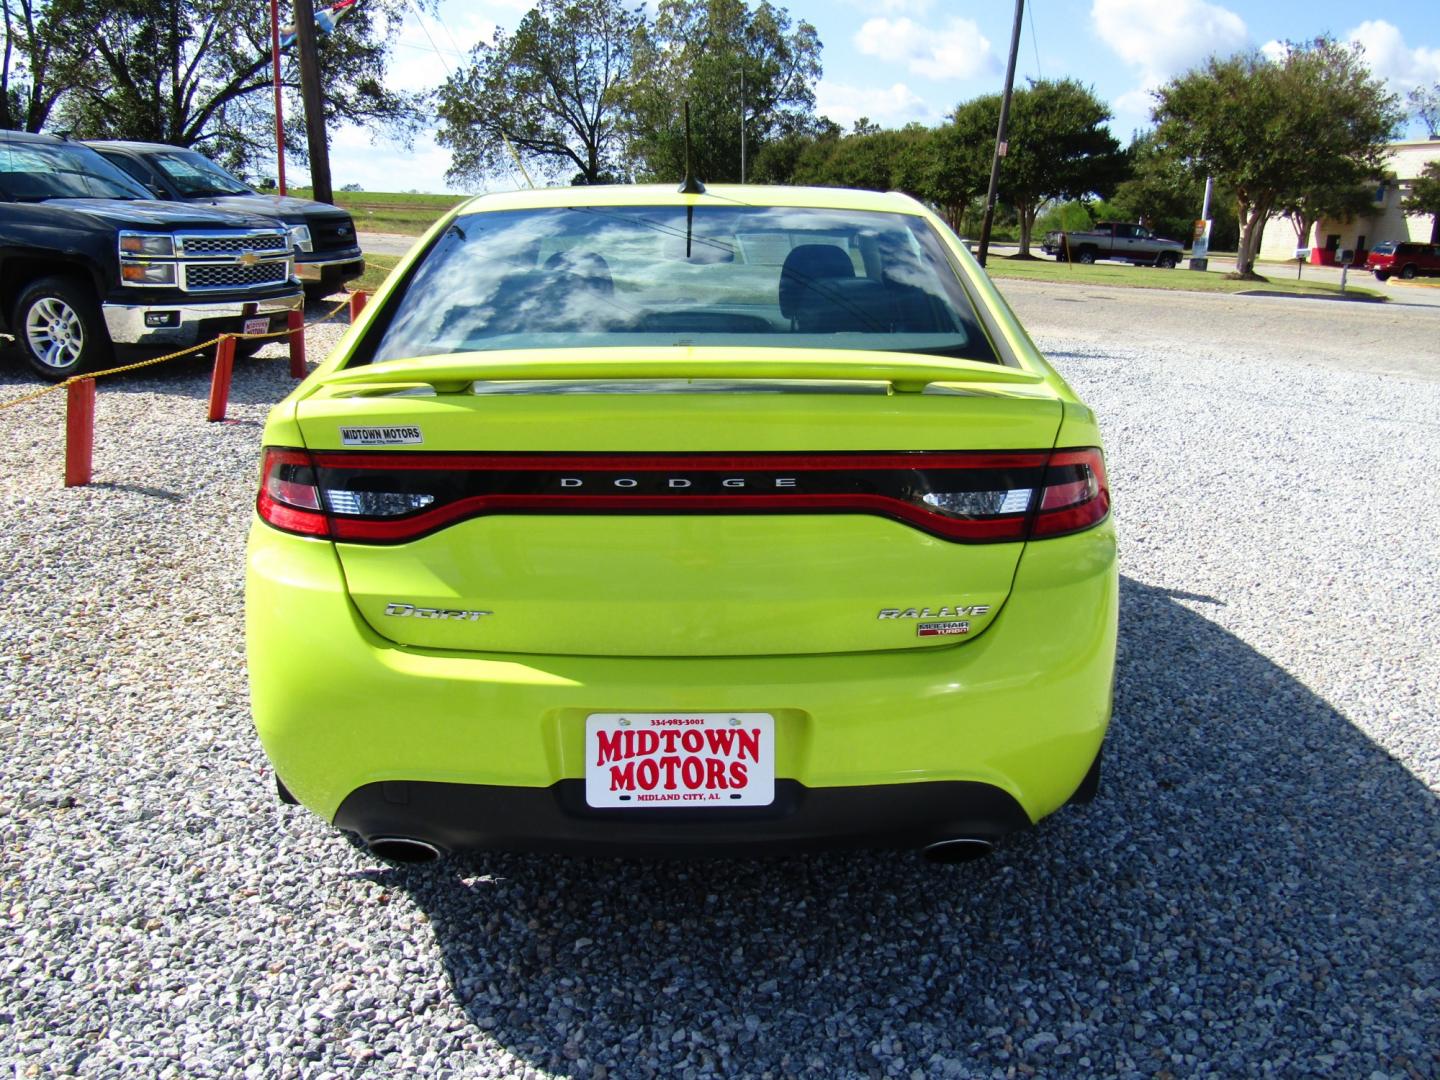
(220, 377)
(295, 320)
(79, 432)
(357, 303)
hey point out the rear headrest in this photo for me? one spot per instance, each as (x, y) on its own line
(807, 265)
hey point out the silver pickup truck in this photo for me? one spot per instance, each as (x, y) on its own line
(1115, 240)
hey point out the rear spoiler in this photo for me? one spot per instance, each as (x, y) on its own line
(906, 372)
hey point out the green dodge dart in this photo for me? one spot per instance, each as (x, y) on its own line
(634, 520)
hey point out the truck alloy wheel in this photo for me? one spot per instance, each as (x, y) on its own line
(1167, 261)
(1087, 256)
(1408, 273)
(60, 330)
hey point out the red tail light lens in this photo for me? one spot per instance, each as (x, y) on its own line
(368, 497)
(289, 494)
(1076, 494)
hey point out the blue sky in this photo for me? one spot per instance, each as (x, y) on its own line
(901, 60)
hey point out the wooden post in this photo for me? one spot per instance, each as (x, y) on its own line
(295, 321)
(79, 432)
(220, 377)
(357, 303)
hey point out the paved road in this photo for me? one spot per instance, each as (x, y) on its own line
(379, 243)
(1394, 338)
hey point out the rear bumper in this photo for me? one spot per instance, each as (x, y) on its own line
(490, 747)
(187, 323)
(456, 817)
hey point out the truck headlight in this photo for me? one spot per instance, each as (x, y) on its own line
(156, 244)
(148, 273)
(300, 237)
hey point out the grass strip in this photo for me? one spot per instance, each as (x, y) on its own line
(1149, 277)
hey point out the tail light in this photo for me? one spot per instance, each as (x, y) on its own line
(1076, 494)
(381, 498)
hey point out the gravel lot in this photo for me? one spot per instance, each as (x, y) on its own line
(1254, 893)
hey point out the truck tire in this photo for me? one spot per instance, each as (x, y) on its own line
(1382, 275)
(1167, 260)
(1085, 255)
(58, 326)
(1409, 272)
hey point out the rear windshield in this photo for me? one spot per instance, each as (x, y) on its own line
(712, 275)
(34, 172)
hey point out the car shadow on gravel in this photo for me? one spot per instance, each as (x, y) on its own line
(1255, 889)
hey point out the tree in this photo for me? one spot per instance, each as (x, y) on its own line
(870, 158)
(187, 72)
(1424, 198)
(27, 90)
(1271, 130)
(555, 90)
(1341, 201)
(1425, 107)
(198, 73)
(1167, 197)
(1058, 147)
(702, 51)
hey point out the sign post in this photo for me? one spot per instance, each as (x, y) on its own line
(1301, 254)
(1200, 245)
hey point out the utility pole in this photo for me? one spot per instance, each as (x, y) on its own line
(279, 113)
(1000, 134)
(314, 104)
(742, 119)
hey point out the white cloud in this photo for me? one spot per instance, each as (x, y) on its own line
(893, 106)
(1391, 59)
(1161, 40)
(956, 50)
(1274, 51)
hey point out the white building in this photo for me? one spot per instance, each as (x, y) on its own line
(1388, 222)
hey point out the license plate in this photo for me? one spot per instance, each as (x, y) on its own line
(258, 326)
(646, 760)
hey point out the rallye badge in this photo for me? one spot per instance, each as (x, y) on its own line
(401, 435)
(943, 612)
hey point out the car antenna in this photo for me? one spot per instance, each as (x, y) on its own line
(690, 185)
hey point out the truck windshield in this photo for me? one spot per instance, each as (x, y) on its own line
(779, 277)
(34, 172)
(196, 176)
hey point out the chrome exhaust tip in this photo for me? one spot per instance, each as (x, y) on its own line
(958, 849)
(403, 849)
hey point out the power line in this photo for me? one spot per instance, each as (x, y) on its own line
(1033, 42)
(421, 19)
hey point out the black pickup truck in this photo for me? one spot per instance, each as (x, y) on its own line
(327, 251)
(88, 260)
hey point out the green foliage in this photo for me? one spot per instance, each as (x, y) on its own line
(870, 158)
(1424, 102)
(555, 91)
(1167, 197)
(198, 73)
(1057, 148)
(701, 51)
(28, 88)
(1317, 119)
(1424, 197)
